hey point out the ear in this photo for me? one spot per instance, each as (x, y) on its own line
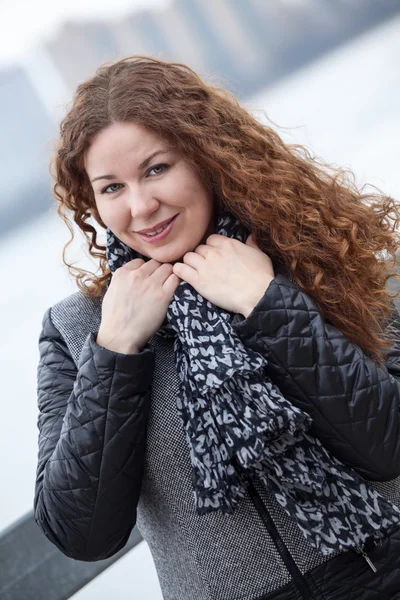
(251, 242)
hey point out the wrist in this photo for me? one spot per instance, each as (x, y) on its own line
(117, 346)
(252, 300)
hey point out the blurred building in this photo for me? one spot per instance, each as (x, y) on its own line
(246, 44)
(242, 45)
(25, 128)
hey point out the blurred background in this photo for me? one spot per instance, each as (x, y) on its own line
(324, 72)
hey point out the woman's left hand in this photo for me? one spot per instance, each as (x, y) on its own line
(228, 273)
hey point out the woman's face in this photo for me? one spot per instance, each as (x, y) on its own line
(139, 182)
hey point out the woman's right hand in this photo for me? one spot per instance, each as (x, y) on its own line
(135, 304)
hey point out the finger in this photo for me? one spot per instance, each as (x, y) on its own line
(194, 260)
(203, 250)
(216, 240)
(161, 274)
(251, 241)
(186, 273)
(171, 284)
(134, 264)
(149, 267)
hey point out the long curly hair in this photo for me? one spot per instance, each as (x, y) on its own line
(338, 241)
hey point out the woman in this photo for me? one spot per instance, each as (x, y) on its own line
(229, 381)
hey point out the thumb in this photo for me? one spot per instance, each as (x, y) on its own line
(251, 241)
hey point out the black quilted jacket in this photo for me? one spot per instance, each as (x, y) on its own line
(94, 406)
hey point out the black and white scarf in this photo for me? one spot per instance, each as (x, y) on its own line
(238, 426)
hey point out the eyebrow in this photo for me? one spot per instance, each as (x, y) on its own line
(142, 166)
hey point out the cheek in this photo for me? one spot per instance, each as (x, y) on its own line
(109, 215)
(198, 199)
(206, 207)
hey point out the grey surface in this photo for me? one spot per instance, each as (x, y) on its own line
(31, 568)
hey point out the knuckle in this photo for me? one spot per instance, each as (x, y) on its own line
(137, 262)
(119, 272)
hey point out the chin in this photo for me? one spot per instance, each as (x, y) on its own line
(170, 255)
(172, 259)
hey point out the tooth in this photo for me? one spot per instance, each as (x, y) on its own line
(157, 231)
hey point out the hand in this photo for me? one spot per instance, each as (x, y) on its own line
(135, 304)
(228, 273)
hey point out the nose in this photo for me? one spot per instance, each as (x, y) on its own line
(141, 205)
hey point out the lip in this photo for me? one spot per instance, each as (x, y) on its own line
(151, 229)
(161, 235)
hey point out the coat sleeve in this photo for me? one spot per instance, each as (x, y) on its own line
(353, 402)
(91, 425)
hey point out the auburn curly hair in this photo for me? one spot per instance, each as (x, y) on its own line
(339, 243)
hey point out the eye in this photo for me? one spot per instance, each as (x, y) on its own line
(112, 185)
(158, 169)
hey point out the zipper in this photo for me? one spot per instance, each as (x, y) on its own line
(360, 550)
(297, 576)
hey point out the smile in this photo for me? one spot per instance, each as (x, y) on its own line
(160, 234)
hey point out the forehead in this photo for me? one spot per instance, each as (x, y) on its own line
(119, 143)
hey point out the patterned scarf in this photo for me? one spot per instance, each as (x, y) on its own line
(238, 426)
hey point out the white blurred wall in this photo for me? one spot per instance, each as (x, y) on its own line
(345, 106)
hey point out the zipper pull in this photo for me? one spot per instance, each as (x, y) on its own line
(359, 550)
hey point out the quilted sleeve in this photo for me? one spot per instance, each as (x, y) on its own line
(91, 444)
(353, 402)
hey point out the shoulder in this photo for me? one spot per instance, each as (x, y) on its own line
(71, 320)
(75, 310)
